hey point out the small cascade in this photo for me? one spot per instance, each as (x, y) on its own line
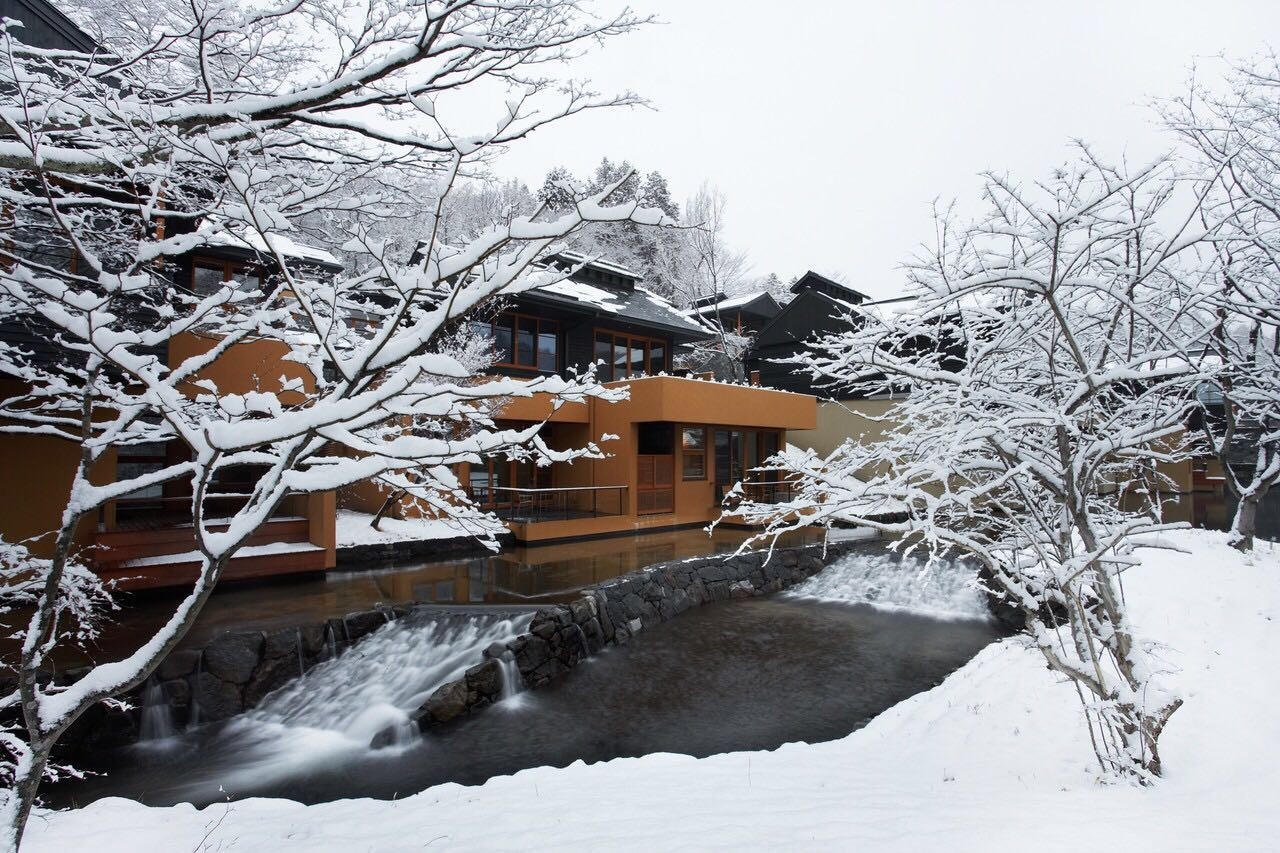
(330, 642)
(155, 721)
(302, 664)
(512, 681)
(582, 639)
(193, 719)
(944, 589)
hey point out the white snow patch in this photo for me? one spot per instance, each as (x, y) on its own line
(583, 293)
(996, 757)
(246, 551)
(354, 529)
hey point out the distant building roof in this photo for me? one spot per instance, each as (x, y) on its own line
(45, 26)
(251, 241)
(821, 284)
(759, 302)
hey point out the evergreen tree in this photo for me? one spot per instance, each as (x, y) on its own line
(557, 191)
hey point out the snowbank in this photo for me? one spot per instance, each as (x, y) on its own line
(994, 758)
(353, 529)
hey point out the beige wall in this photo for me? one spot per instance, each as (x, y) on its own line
(838, 421)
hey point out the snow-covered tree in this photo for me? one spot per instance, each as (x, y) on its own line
(240, 125)
(1233, 139)
(705, 267)
(1044, 384)
(643, 250)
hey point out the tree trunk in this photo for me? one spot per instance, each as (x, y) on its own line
(1245, 521)
(26, 783)
(386, 507)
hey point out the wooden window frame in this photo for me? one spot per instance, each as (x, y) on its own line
(515, 340)
(686, 453)
(229, 269)
(631, 339)
(757, 432)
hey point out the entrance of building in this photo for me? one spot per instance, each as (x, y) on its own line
(655, 469)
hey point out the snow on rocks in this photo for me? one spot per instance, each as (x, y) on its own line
(996, 757)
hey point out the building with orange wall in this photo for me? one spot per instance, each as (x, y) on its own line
(680, 442)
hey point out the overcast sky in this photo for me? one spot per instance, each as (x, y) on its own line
(832, 126)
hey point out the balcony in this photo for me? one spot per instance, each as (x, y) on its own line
(147, 542)
(535, 506)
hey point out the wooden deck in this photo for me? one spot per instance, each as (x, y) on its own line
(159, 557)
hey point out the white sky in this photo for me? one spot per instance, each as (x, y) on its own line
(832, 126)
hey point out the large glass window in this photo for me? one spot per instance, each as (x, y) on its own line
(626, 356)
(603, 355)
(206, 280)
(657, 357)
(209, 274)
(503, 339)
(520, 341)
(737, 452)
(526, 334)
(547, 347)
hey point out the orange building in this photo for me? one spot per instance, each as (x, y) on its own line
(681, 442)
(147, 539)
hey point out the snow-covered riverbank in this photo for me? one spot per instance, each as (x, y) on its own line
(995, 757)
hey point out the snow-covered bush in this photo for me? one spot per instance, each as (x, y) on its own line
(1042, 383)
(1233, 140)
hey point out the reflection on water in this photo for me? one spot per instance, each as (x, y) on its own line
(531, 576)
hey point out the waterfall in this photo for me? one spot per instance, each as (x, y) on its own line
(368, 694)
(512, 681)
(193, 719)
(330, 642)
(946, 589)
(302, 664)
(156, 717)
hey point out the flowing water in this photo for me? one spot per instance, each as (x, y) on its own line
(749, 674)
(942, 589)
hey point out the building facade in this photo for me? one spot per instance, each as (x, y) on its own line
(679, 443)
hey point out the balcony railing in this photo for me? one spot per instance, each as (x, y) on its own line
(530, 506)
(144, 513)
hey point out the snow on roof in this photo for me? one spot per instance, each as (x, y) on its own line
(600, 263)
(252, 240)
(729, 302)
(887, 310)
(637, 304)
(583, 292)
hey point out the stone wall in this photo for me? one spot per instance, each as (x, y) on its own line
(611, 613)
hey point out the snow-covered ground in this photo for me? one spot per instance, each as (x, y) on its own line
(353, 529)
(994, 758)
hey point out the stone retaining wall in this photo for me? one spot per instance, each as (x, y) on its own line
(611, 613)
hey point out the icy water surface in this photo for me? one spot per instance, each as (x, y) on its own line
(750, 674)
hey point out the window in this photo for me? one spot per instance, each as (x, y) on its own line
(209, 274)
(625, 356)
(738, 452)
(520, 341)
(694, 453)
